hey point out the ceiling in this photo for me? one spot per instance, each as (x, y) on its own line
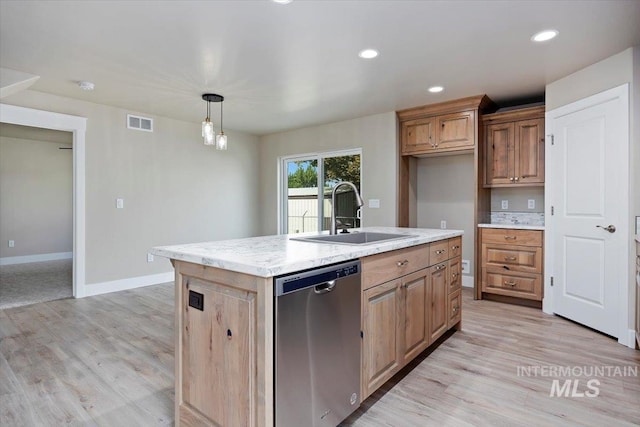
(291, 66)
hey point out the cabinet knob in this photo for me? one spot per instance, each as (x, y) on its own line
(516, 178)
(511, 179)
(455, 247)
(510, 237)
(510, 258)
(455, 309)
(402, 263)
(512, 284)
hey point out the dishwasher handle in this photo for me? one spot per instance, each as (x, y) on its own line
(325, 287)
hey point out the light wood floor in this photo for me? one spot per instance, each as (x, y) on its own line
(108, 361)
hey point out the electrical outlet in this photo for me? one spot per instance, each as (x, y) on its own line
(119, 203)
(531, 204)
(505, 204)
(150, 258)
(443, 224)
(374, 203)
(466, 266)
(12, 243)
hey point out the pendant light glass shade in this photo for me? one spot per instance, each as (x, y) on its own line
(207, 132)
(221, 141)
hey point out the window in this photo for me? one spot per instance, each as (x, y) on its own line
(307, 183)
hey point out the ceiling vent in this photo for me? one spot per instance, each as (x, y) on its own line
(139, 123)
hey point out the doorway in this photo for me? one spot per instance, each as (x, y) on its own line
(36, 215)
(76, 126)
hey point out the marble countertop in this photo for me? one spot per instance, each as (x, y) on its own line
(513, 226)
(270, 256)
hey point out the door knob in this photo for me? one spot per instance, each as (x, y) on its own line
(610, 228)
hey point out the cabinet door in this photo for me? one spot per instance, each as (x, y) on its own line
(437, 300)
(499, 154)
(380, 344)
(455, 131)
(219, 353)
(414, 302)
(418, 136)
(529, 152)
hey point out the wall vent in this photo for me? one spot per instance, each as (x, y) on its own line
(139, 123)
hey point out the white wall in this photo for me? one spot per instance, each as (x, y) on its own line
(611, 72)
(376, 135)
(36, 199)
(445, 191)
(175, 189)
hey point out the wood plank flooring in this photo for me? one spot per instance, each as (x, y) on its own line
(108, 361)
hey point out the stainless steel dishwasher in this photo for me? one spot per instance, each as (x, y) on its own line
(317, 379)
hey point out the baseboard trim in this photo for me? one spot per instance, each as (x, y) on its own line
(468, 281)
(125, 284)
(631, 339)
(35, 258)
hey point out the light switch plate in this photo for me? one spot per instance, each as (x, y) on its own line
(443, 224)
(120, 203)
(505, 204)
(150, 257)
(12, 243)
(374, 203)
(531, 204)
(466, 266)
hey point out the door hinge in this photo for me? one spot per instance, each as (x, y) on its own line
(361, 334)
(551, 280)
(552, 141)
(552, 210)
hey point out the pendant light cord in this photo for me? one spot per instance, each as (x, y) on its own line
(221, 128)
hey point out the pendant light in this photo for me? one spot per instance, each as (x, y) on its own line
(208, 132)
(221, 140)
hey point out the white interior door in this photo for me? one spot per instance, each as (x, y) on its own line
(589, 194)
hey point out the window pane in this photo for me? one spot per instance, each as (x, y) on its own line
(337, 169)
(302, 196)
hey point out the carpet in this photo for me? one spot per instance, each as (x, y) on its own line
(24, 284)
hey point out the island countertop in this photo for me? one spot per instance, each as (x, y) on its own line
(269, 256)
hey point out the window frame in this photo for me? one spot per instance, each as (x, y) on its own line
(283, 180)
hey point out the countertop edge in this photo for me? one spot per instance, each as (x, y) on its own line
(513, 226)
(330, 253)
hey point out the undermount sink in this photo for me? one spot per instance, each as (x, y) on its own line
(363, 238)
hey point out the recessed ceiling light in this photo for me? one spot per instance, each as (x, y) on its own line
(544, 36)
(436, 89)
(282, 1)
(368, 53)
(86, 86)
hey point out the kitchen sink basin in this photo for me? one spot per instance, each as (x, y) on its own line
(363, 238)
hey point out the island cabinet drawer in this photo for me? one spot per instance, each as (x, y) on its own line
(512, 237)
(454, 282)
(513, 258)
(438, 252)
(380, 268)
(454, 308)
(455, 247)
(521, 285)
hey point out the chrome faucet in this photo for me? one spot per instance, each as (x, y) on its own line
(359, 201)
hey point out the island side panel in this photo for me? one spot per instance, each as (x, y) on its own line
(224, 354)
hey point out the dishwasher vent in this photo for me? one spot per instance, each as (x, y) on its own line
(139, 123)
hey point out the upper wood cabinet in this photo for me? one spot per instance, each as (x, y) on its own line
(514, 148)
(444, 128)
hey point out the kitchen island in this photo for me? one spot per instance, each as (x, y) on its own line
(225, 313)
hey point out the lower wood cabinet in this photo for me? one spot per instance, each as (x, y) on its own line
(403, 316)
(512, 262)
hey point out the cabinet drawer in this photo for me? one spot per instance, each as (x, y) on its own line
(438, 252)
(454, 308)
(520, 285)
(507, 236)
(512, 258)
(383, 267)
(454, 282)
(455, 247)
